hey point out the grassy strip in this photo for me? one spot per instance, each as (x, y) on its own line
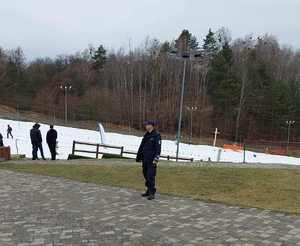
(275, 189)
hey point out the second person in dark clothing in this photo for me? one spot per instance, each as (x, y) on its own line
(51, 141)
(1, 140)
(149, 153)
(36, 141)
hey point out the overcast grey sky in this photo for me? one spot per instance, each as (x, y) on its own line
(49, 28)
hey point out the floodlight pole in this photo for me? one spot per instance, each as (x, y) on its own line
(191, 110)
(180, 109)
(66, 88)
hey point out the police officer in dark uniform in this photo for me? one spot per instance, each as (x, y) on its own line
(148, 154)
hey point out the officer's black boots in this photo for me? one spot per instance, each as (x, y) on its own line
(146, 194)
(151, 197)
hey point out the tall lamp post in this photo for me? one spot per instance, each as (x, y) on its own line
(289, 123)
(66, 88)
(191, 109)
(180, 108)
(183, 52)
(185, 56)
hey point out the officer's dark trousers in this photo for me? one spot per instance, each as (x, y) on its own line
(149, 172)
(9, 134)
(52, 148)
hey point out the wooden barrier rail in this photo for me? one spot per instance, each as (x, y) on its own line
(97, 152)
(121, 148)
(168, 157)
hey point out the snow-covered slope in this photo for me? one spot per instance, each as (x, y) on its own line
(21, 144)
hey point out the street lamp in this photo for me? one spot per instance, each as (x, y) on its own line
(185, 56)
(66, 88)
(289, 123)
(183, 52)
(191, 110)
(180, 109)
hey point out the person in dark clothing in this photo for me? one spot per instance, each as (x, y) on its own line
(9, 131)
(51, 141)
(36, 141)
(148, 154)
(1, 140)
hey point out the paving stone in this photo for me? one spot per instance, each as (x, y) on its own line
(40, 210)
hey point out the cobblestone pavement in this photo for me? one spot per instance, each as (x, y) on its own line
(38, 210)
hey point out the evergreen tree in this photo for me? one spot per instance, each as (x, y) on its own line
(99, 57)
(210, 45)
(223, 86)
(193, 42)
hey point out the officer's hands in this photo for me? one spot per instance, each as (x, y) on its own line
(155, 163)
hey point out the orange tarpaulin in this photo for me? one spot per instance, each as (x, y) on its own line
(276, 151)
(234, 147)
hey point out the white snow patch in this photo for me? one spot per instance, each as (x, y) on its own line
(66, 135)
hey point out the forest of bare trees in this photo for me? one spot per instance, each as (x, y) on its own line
(248, 87)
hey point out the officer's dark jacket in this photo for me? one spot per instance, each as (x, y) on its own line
(35, 135)
(51, 136)
(150, 147)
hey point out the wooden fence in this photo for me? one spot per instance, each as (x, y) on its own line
(98, 152)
